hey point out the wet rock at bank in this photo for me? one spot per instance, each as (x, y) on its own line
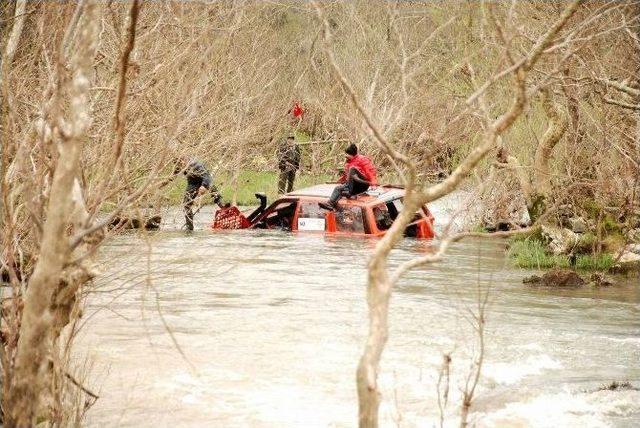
(578, 225)
(559, 241)
(561, 278)
(618, 386)
(629, 260)
(600, 280)
(614, 386)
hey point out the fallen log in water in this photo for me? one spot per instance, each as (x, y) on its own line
(148, 223)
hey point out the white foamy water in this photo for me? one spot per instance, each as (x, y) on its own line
(511, 373)
(567, 409)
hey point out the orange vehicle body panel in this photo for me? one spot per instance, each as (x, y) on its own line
(378, 197)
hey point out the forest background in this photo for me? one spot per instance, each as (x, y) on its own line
(117, 91)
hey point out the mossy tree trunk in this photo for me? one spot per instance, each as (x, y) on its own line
(541, 170)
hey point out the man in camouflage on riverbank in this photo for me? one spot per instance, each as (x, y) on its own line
(288, 163)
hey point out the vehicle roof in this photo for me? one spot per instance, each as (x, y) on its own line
(374, 195)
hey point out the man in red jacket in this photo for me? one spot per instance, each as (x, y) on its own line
(359, 174)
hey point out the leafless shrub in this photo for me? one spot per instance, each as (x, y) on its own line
(429, 89)
(525, 58)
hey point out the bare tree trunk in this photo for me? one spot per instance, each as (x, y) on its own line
(38, 321)
(573, 108)
(5, 66)
(523, 178)
(638, 138)
(637, 33)
(14, 38)
(378, 296)
(33, 346)
(541, 172)
(379, 284)
(555, 131)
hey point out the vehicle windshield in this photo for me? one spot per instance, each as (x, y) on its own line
(350, 219)
(279, 217)
(382, 216)
(385, 213)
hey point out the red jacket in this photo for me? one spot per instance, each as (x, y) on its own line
(362, 164)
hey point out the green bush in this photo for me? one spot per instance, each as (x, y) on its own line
(592, 208)
(595, 262)
(585, 243)
(536, 235)
(610, 224)
(532, 254)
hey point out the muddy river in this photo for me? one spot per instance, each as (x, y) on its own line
(264, 329)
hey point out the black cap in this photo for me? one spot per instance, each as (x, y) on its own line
(352, 150)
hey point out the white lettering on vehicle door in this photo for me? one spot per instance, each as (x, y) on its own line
(316, 224)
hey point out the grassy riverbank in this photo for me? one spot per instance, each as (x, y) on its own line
(532, 254)
(249, 182)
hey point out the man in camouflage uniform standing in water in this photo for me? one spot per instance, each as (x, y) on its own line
(199, 181)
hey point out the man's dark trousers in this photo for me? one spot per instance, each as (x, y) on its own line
(351, 187)
(285, 181)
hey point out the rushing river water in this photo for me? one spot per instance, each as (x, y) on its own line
(267, 328)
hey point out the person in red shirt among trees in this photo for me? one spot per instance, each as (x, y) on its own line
(359, 174)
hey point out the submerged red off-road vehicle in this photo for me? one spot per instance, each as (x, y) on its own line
(370, 213)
